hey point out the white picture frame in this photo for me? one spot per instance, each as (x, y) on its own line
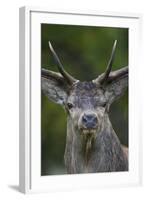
(30, 177)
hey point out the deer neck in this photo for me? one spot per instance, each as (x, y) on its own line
(95, 153)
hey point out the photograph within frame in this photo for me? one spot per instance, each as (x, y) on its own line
(84, 52)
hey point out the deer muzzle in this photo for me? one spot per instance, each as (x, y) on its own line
(88, 123)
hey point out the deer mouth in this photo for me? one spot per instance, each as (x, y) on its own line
(88, 131)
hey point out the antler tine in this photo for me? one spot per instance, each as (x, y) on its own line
(104, 77)
(67, 76)
(117, 74)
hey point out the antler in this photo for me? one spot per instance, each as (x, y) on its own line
(67, 76)
(103, 78)
(113, 76)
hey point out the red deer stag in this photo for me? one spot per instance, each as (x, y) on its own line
(91, 143)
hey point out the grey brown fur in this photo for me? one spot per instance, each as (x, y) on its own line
(91, 143)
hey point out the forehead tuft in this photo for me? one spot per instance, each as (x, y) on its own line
(86, 95)
(86, 85)
(86, 89)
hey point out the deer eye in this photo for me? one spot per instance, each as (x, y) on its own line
(70, 105)
(104, 105)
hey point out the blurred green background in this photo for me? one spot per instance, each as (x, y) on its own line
(84, 52)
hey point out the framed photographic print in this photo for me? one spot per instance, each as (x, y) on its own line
(79, 118)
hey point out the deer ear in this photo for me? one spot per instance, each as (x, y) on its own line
(54, 86)
(116, 88)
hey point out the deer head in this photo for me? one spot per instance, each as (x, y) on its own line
(87, 103)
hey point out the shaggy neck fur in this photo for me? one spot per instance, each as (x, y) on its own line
(96, 153)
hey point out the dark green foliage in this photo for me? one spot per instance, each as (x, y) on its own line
(84, 53)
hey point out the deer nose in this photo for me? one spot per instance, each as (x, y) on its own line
(89, 120)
